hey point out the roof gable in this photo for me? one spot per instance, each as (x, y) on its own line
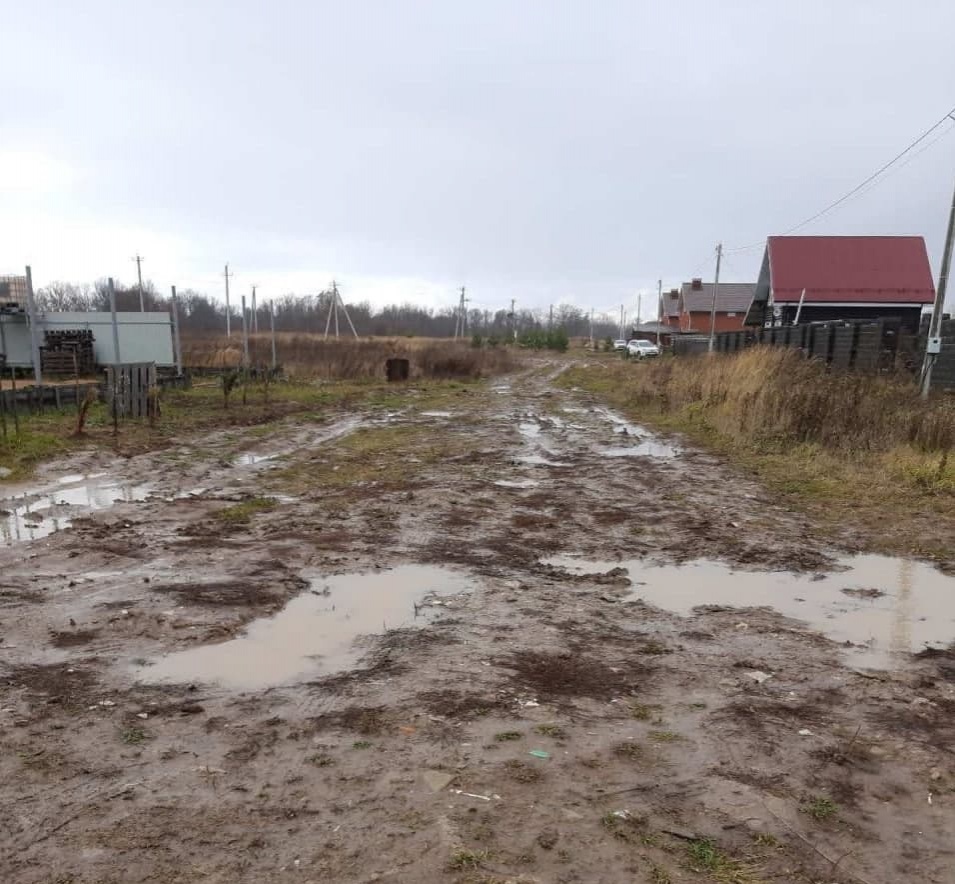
(865, 269)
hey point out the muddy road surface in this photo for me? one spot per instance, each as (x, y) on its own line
(500, 634)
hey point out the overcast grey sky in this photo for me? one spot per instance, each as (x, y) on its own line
(544, 151)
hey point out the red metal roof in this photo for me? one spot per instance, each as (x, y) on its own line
(862, 269)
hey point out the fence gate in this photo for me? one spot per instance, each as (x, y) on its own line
(128, 388)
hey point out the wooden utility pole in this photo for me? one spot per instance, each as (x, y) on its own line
(139, 273)
(716, 288)
(933, 344)
(228, 311)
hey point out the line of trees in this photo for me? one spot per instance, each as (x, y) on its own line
(198, 313)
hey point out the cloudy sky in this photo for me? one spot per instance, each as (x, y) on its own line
(543, 151)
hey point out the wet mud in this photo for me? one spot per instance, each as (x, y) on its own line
(517, 638)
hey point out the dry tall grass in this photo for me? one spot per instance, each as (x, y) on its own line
(774, 396)
(308, 355)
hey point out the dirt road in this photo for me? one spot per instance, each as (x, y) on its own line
(504, 636)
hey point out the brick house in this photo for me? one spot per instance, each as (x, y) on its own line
(842, 277)
(695, 303)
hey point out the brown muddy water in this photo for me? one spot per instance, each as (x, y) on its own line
(31, 513)
(314, 634)
(881, 608)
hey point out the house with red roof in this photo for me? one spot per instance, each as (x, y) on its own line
(696, 305)
(824, 278)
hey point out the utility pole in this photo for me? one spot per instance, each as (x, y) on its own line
(112, 310)
(639, 307)
(176, 343)
(621, 320)
(933, 344)
(139, 272)
(228, 312)
(245, 337)
(591, 328)
(660, 301)
(35, 333)
(272, 326)
(550, 321)
(716, 288)
(255, 313)
(333, 305)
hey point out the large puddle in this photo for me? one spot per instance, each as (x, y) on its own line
(645, 443)
(37, 512)
(885, 608)
(314, 634)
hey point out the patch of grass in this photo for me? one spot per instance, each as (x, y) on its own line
(665, 736)
(462, 860)
(642, 712)
(507, 736)
(241, 513)
(361, 744)
(704, 856)
(20, 453)
(133, 736)
(551, 730)
(844, 446)
(820, 808)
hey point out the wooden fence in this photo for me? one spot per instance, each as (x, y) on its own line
(26, 396)
(859, 345)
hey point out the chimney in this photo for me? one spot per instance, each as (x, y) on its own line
(697, 284)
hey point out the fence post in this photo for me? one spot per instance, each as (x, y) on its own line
(34, 331)
(272, 326)
(13, 390)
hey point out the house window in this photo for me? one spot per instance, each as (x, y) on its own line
(730, 314)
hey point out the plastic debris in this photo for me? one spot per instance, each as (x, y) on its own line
(805, 732)
(472, 795)
(539, 753)
(143, 715)
(106, 703)
(758, 676)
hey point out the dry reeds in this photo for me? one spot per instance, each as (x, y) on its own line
(309, 355)
(775, 396)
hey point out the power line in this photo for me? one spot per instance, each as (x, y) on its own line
(855, 190)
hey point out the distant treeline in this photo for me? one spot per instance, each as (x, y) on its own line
(308, 313)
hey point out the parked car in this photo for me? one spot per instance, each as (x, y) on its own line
(620, 345)
(640, 348)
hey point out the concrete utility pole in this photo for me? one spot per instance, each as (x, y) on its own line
(255, 313)
(933, 344)
(176, 343)
(139, 273)
(228, 311)
(272, 327)
(591, 328)
(112, 310)
(639, 307)
(550, 320)
(660, 300)
(245, 336)
(513, 321)
(34, 330)
(621, 321)
(716, 288)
